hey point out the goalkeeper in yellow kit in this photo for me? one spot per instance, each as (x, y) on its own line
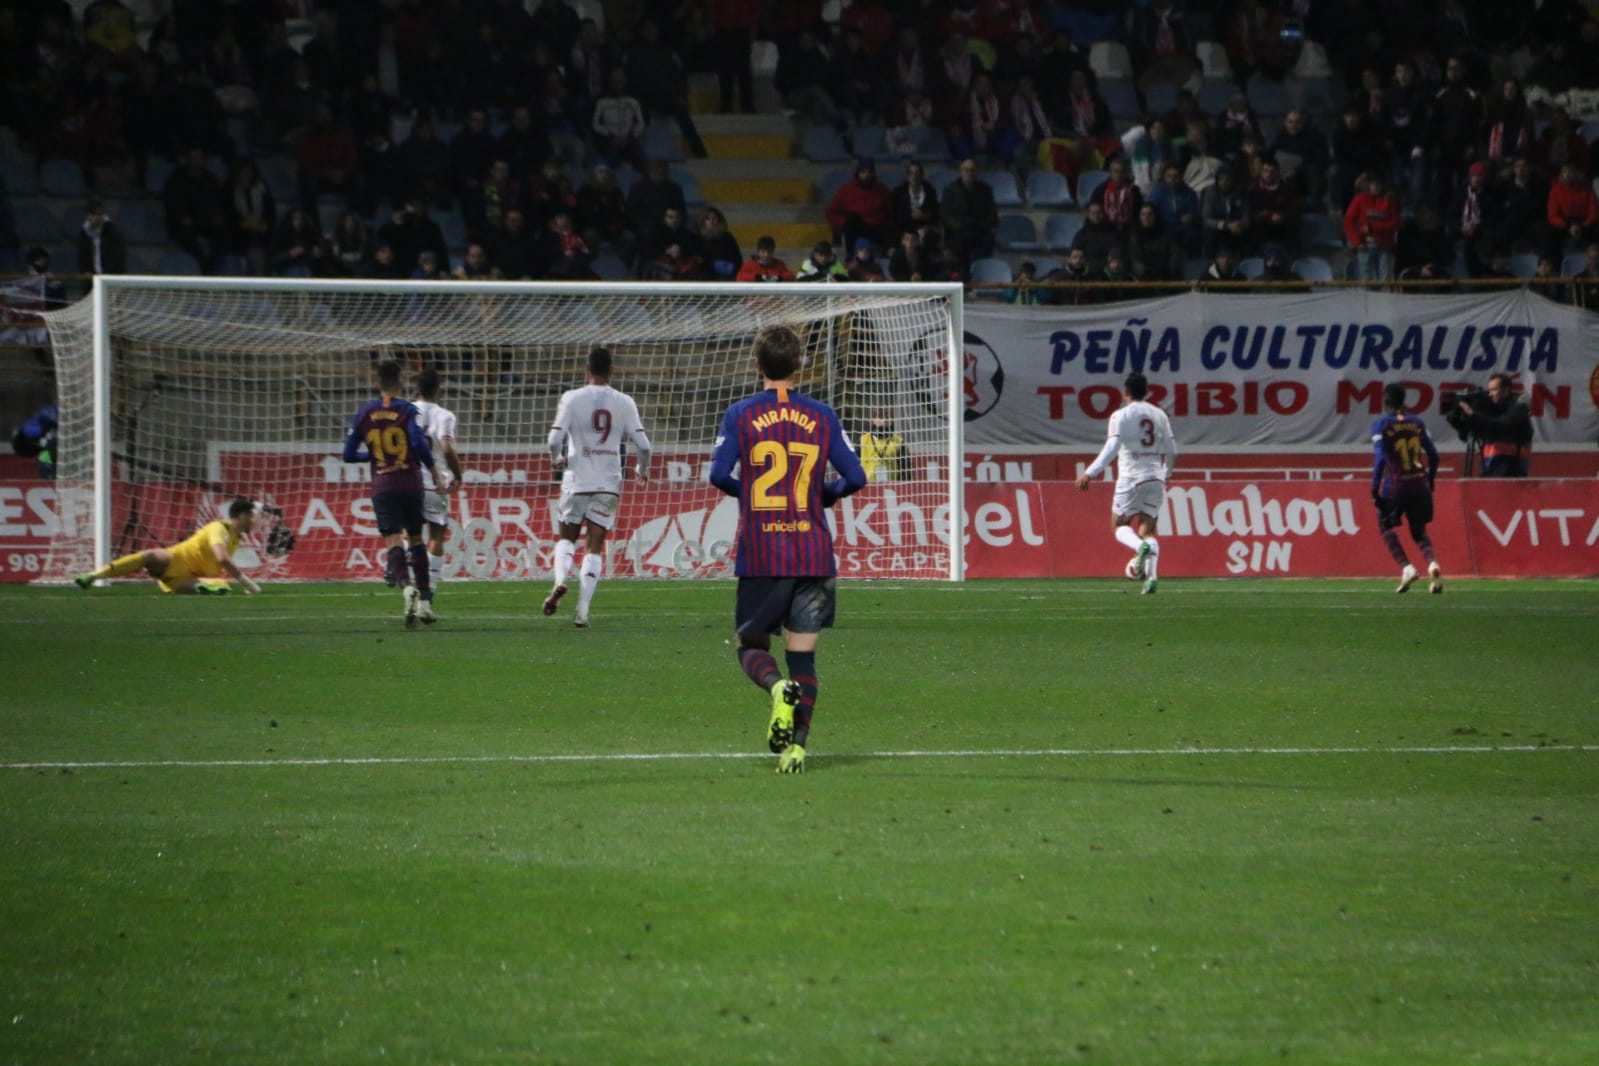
(190, 566)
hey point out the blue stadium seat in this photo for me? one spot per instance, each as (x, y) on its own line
(932, 146)
(1016, 233)
(61, 177)
(18, 174)
(1523, 264)
(282, 179)
(1088, 181)
(1059, 230)
(37, 224)
(1121, 98)
(867, 141)
(1312, 268)
(1269, 97)
(1161, 97)
(1573, 264)
(141, 222)
(1048, 188)
(1003, 182)
(609, 268)
(175, 262)
(156, 173)
(1214, 96)
(1252, 268)
(990, 270)
(822, 144)
(1321, 232)
(691, 188)
(660, 142)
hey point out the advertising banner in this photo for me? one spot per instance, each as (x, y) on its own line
(1546, 528)
(1274, 373)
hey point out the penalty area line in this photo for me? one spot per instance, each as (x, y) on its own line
(686, 756)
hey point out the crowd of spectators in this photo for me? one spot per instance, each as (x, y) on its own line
(1426, 152)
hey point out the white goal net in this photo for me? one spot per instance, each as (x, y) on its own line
(178, 395)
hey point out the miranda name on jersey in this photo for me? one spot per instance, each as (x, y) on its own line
(785, 414)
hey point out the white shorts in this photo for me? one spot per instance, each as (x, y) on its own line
(435, 508)
(1143, 498)
(595, 508)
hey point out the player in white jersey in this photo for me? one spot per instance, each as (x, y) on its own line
(439, 425)
(1141, 441)
(591, 424)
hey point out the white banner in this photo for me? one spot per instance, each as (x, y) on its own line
(1274, 371)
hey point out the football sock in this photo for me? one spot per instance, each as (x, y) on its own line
(118, 567)
(435, 568)
(419, 570)
(1152, 564)
(761, 667)
(396, 565)
(593, 567)
(1424, 542)
(1126, 535)
(1390, 537)
(564, 551)
(802, 671)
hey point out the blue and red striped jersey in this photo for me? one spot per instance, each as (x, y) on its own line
(1404, 459)
(387, 433)
(782, 444)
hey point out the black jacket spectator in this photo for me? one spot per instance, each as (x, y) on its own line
(651, 195)
(193, 200)
(472, 152)
(1526, 209)
(424, 163)
(524, 144)
(412, 232)
(1426, 250)
(514, 248)
(602, 210)
(1098, 238)
(915, 202)
(969, 216)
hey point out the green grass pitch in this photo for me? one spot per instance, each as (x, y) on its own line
(1044, 822)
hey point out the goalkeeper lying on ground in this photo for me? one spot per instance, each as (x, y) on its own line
(186, 567)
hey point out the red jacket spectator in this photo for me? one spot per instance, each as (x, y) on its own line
(866, 198)
(1572, 201)
(770, 268)
(1373, 213)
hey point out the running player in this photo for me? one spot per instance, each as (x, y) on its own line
(385, 432)
(438, 423)
(591, 423)
(1141, 441)
(1403, 468)
(782, 443)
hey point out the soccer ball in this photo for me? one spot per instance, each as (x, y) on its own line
(1132, 571)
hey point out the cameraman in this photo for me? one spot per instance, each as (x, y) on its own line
(1502, 426)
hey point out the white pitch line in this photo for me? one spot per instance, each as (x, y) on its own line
(679, 756)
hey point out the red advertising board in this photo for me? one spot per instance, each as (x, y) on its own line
(1318, 527)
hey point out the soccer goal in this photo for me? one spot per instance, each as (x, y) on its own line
(179, 394)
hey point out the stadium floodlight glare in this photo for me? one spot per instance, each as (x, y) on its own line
(177, 394)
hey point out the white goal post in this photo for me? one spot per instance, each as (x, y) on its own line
(179, 394)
